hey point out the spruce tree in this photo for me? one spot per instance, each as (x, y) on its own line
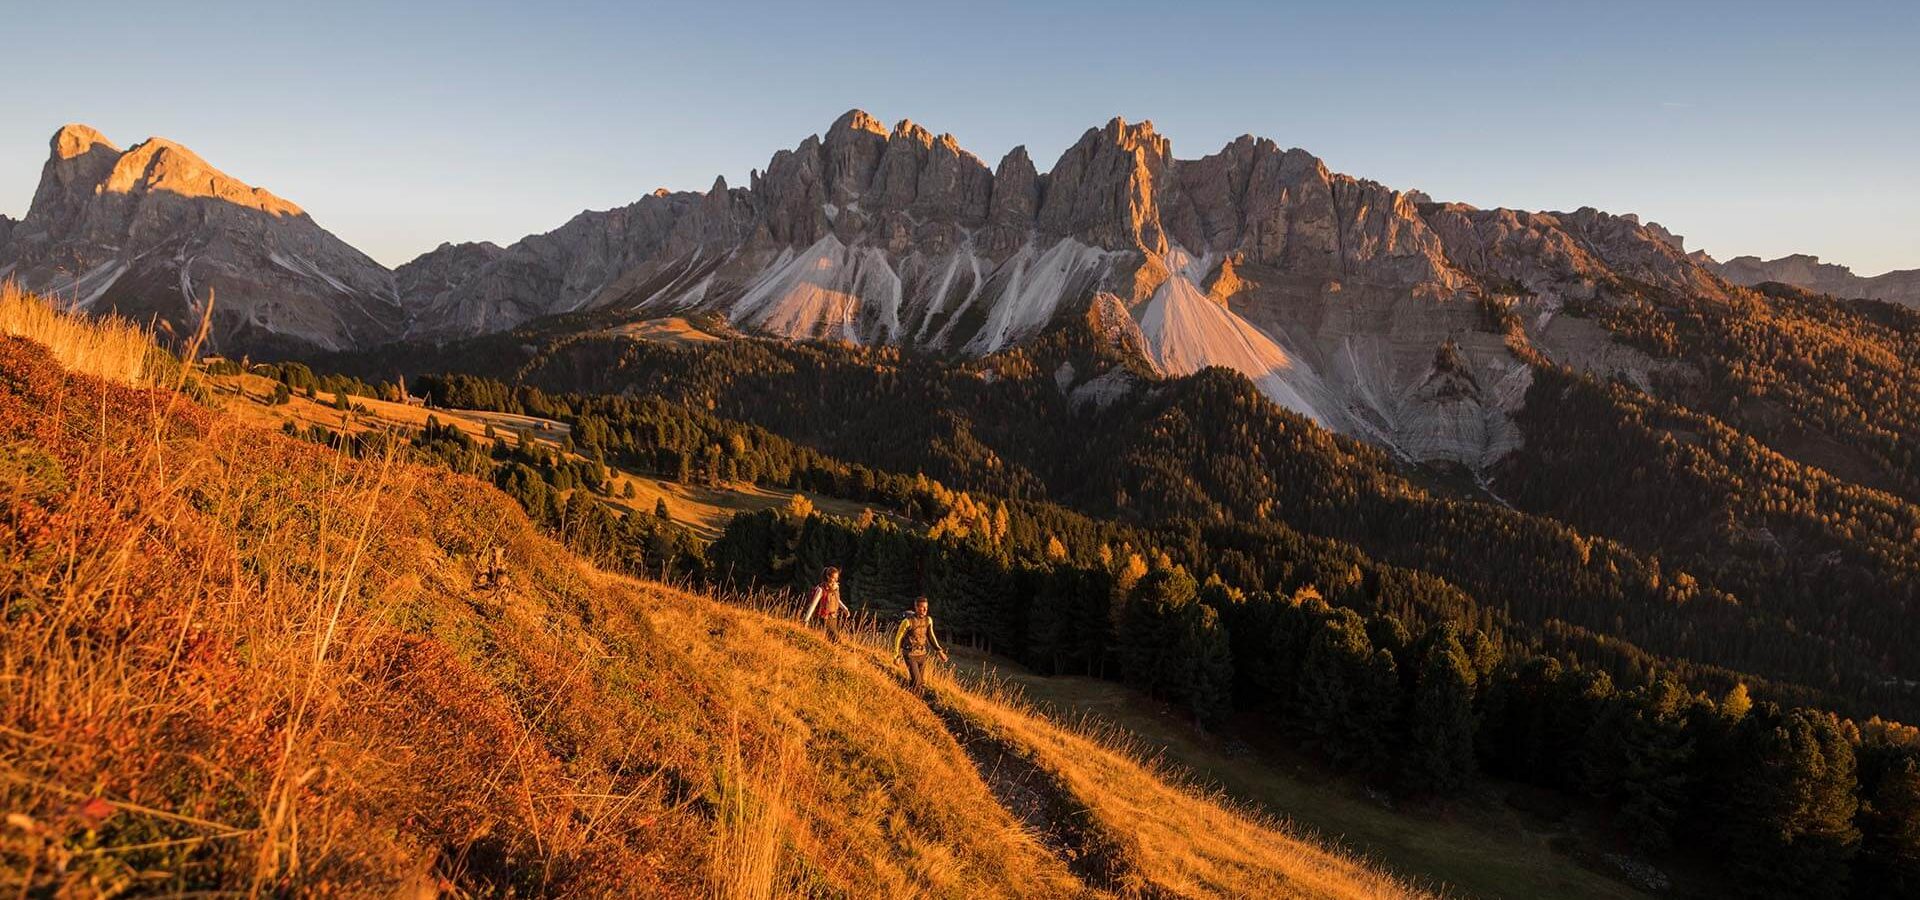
(1204, 677)
(1344, 690)
(1150, 630)
(1889, 863)
(1440, 724)
(1790, 804)
(1050, 622)
(886, 572)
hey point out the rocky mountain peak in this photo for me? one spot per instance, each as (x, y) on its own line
(150, 231)
(157, 164)
(852, 122)
(1102, 191)
(75, 139)
(1807, 271)
(907, 130)
(1137, 137)
(1329, 291)
(850, 154)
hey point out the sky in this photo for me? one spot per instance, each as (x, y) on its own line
(1750, 128)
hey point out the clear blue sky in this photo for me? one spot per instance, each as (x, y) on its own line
(1750, 128)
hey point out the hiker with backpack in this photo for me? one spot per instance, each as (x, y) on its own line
(910, 643)
(825, 603)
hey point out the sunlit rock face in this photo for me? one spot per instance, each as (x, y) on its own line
(1803, 271)
(151, 231)
(1334, 294)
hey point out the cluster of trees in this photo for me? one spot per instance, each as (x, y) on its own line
(299, 377)
(563, 493)
(1722, 506)
(566, 495)
(1804, 803)
(1210, 449)
(683, 442)
(1804, 373)
(1221, 478)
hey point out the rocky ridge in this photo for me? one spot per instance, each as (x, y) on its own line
(150, 231)
(1333, 293)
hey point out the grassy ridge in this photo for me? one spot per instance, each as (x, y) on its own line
(240, 663)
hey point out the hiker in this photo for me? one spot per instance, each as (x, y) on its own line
(911, 640)
(825, 603)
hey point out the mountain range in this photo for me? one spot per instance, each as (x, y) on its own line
(1362, 307)
(1800, 270)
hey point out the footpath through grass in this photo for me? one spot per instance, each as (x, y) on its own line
(1476, 846)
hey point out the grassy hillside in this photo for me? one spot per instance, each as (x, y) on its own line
(234, 662)
(1478, 845)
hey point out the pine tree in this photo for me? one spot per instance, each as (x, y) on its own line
(970, 586)
(1347, 692)
(1204, 680)
(886, 571)
(1889, 863)
(1440, 722)
(1639, 753)
(1790, 804)
(744, 553)
(1149, 634)
(1050, 622)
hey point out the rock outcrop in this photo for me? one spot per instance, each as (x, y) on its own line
(1803, 271)
(150, 231)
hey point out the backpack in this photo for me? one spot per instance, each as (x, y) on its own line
(916, 638)
(830, 604)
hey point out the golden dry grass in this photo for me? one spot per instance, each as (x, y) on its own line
(1179, 838)
(233, 661)
(236, 663)
(749, 825)
(108, 347)
(1171, 837)
(668, 330)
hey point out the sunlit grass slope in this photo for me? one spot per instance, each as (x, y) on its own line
(110, 348)
(234, 662)
(1172, 837)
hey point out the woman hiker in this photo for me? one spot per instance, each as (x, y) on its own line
(911, 640)
(826, 604)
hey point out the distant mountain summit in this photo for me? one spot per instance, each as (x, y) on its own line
(1803, 271)
(150, 230)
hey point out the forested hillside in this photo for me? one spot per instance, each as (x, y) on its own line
(1227, 480)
